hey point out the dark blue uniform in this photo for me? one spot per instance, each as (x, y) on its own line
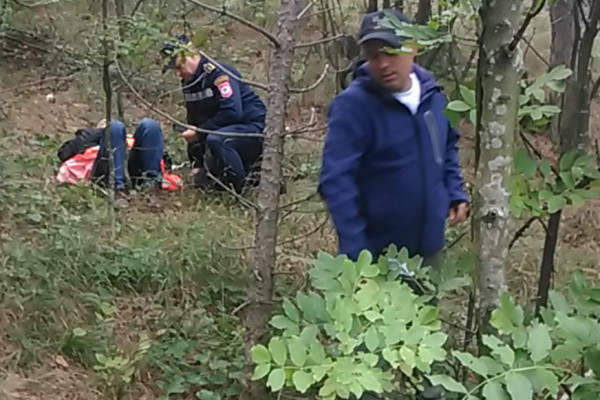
(218, 102)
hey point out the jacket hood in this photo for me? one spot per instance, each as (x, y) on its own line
(361, 75)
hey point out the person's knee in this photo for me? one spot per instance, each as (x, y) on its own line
(150, 125)
(213, 140)
(118, 133)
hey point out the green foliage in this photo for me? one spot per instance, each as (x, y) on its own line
(333, 338)
(420, 36)
(539, 189)
(336, 334)
(534, 113)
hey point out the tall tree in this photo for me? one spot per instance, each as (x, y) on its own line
(260, 288)
(498, 74)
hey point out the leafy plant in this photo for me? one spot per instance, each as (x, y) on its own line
(334, 338)
(533, 109)
(542, 191)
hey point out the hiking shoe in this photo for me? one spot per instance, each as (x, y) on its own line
(121, 200)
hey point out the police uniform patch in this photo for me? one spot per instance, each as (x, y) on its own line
(221, 79)
(209, 67)
(225, 89)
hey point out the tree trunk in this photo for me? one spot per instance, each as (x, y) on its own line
(562, 26)
(573, 126)
(260, 288)
(120, 11)
(106, 84)
(399, 5)
(498, 96)
(372, 6)
(386, 4)
(424, 12)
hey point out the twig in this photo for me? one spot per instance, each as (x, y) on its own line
(231, 74)
(585, 21)
(33, 5)
(318, 42)
(290, 240)
(170, 118)
(239, 19)
(462, 328)
(537, 53)
(135, 8)
(308, 7)
(242, 200)
(456, 241)
(54, 78)
(531, 14)
(519, 233)
(314, 85)
(294, 203)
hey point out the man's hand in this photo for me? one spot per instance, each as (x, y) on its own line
(458, 213)
(189, 135)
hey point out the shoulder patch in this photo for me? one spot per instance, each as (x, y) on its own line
(221, 79)
(209, 67)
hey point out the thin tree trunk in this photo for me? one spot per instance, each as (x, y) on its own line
(573, 127)
(372, 6)
(120, 11)
(399, 5)
(424, 12)
(498, 96)
(386, 4)
(260, 287)
(108, 99)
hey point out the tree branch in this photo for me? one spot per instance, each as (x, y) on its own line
(537, 53)
(239, 19)
(519, 233)
(33, 5)
(314, 85)
(580, 7)
(531, 14)
(170, 118)
(231, 74)
(320, 41)
(241, 199)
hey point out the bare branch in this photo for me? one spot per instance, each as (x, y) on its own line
(303, 200)
(170, 118)
(231, 74)
(531, 14)
(519, 234)
(582, 14)
(320, 41)
(314, 85)
(239, 19)
(537, 53)
(308, 7)
(242, 200)
(38, 4)
(136, 7)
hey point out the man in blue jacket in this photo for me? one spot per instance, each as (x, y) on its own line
(390, 171)
(217, 101)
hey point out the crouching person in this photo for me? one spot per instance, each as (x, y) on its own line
(85, 157)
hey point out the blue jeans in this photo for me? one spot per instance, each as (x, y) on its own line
(145, 156)
(234, 157)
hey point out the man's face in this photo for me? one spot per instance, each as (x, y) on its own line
(185, 68)
(392, 71)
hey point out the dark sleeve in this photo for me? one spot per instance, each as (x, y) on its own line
(230, 102)
(453, 176)
(83, 139)
(343, 150)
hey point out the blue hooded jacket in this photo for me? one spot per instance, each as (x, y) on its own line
(389, 176)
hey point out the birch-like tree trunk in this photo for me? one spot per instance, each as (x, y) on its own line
(498, 96)
(120, 12)
(260, 286)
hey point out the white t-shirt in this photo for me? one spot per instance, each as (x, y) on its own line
(412, 96)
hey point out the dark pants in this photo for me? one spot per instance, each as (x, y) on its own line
(144, 158)
(234, 158)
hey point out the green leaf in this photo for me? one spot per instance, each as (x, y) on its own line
(368, 294)
(518, 386)
(568, 160)
(261, 371)
(260, 354)
(408, 356)
(370, 271)
(459, 106)
(448, 383)
(525, 164)
(559, 73)
(539, 343)
(317, 352)
(473, 116)
(302, 381)
(548, 380)
(515, 312)
(298, 351)
(576, 200)
(276, 379)
(290, 310)
(556, 203)
(468, 96)
(282, 322)
(474, 364)
(428, 315)
(369, 381)
(519, 337)
(493, 366)
(559, 302)
(79, 332)
(278, 351)
(505, 353)
(494, 391)
(372, 338)
(592, 360)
